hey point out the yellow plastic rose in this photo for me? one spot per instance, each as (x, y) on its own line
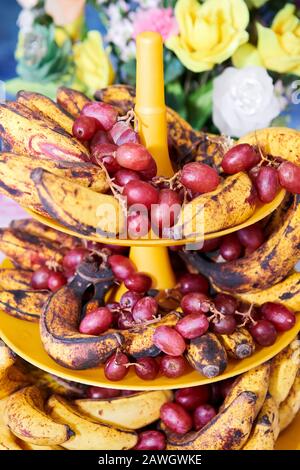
(278, 47)
(209, 33)
(93, 67)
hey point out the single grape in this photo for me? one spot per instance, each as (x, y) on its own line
(100, 393)
(241, 157)
(289, 177)
(145, 309)
(267, 183)
(74, 257)
(122, 177)
(40, 278)
(115, 367)
(231, 247)
(101, 137)
(151, 440)
(96, 322)
(191, 397)
(105, 114)
(193, 283)
(193, 325)
(138, 224)
(251, 237)
(199, 178)
(104, 154)
(176, 418)
(225, 304)
(203, 414)
(224, 326)
(264, 333)
(146, 368)
(121, 266)
(84, 127)
(151, 171)
(282, 318)
(173, 366)
(140, 192)
(169, 341)
(56, 281)
(133, 157)
(166, 212)
(122, 133)
(125, 320)
(129, 299)
(138, 282)
(195, 302)
(128, 393)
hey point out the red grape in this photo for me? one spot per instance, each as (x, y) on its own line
(225, 304)
(241, 157)
(128, 393)
(193, 325)
(56, 281)
(151, 440)
(138, 282)
(74, 257)
(138, 224)
(40, 278)
(84, 127)
(176, 418)
(129, 299)
(173, 366)
(134, 157)
(146, 368)
(224, 387)
(101, 137)
(199, 178)
(122, 177)
(195, 302)
(289, 177)
(267, 183)
(264, 333)
(105, 114)
(203, 414)
(193, 283)
(145, 309)
(115, 367)
(151, 171)
(96, 322)
(100, 393)
(231, 247)
(210, 245)
(125, 320)
(122, 133)
(165, 213)
(121, 266)
(282, 318)
(169, 341)
(251, 237)
(191, 397)
(140, 192)
(224, 326)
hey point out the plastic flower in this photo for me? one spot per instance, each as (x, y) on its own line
(92, 65)
(244, 100)
(278, 47)
(64, 12)
(209, 33)
(28, 3)
(256, 3)
(160, 20)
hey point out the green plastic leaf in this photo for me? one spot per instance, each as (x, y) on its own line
(16, 84)
(200, 105)
(128, 72)
(175, 98)
(173, 67)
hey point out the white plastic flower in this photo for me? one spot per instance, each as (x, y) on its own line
(244, 100)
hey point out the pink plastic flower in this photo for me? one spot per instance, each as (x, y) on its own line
(159, 20)
(64, 12)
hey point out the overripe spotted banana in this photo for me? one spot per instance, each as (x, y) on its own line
(229, 430)
(7, 358)
(239, 344)
(265, 430)
(28, 134)
(230, 204)
(286, 292)
(284, 370)
(71, 100)
(35, 228)
(290, 407)
(89, 434)
(7, 439)
(28, 446)
(133, 412)
(25, 416)
(268, 265)
(207, 355)
(78, 208)
(15, 279)
(11, 380)
(44, 105)
(23, 304)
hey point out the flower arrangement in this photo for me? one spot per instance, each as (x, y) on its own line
(230, 65)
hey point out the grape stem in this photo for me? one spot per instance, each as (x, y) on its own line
(247, 316)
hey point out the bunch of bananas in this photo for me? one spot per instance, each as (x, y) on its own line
(38, 413)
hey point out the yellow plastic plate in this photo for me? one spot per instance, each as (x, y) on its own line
(24, 338)
(261, 212)
(290, 438)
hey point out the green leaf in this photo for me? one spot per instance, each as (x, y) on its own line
(175, 98)
(200, 105)
(173, 67)
(128, 71)
(17, 84)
